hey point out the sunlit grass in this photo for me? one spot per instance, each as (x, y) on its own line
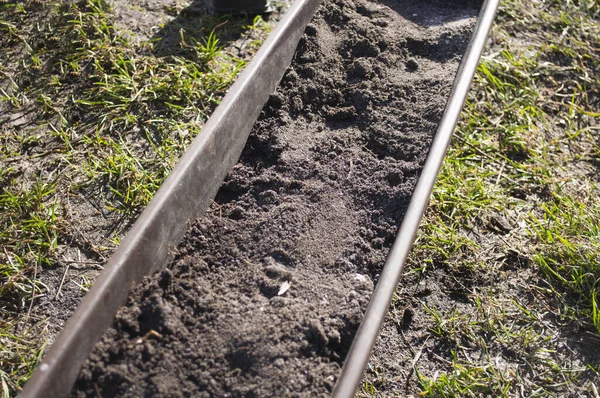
(93, 113)
(515, 216)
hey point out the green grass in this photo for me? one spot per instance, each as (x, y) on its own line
(92, 111)
(527, 149)
(513, 223)
(567, 230)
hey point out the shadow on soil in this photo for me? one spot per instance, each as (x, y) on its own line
(195, 24)
(430, 13)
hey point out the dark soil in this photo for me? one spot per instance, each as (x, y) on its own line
(315, 201)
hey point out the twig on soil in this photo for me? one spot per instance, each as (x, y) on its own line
(416, 354)
(62, 281)
(95, 264)
(97, 390)
(151, 333)
(32, 292)
(416, 357)
(493, 160)
(439, 358)
(500, 174)
(81, 262)
(595, 391)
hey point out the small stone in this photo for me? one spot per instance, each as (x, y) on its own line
(285, 286)
(311, 30)
(412, 64)
(500, 224)
(316, 333)
(334, 336)
(237, 213)
(165, 278)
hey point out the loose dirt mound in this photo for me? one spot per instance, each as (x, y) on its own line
(315, 202)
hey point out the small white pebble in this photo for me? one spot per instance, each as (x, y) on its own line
(285, 286)
(44, 367)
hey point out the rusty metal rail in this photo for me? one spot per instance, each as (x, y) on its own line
(187, 193)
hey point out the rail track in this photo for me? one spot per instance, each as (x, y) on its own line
(193, 184)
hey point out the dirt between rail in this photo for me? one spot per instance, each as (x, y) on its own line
(313, 204)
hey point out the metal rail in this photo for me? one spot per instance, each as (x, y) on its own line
(363, 343)
(187, 193)
(184, 196)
